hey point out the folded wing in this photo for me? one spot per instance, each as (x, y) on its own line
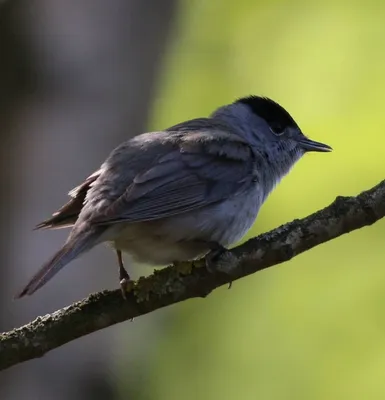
(204, 168)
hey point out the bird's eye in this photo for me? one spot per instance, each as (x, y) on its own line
(277, 129)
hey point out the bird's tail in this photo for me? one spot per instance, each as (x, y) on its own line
(72, 249)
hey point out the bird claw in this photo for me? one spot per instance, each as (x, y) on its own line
(214, 256)
(126, 286)
(220, 259)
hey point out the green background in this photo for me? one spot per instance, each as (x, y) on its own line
(312, 328)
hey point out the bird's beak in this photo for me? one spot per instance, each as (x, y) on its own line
(311, 145)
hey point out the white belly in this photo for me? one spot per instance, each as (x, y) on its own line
(180, 237)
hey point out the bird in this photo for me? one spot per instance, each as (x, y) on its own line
(177, 194)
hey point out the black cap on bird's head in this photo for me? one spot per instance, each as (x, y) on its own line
(280, 121)
(275, 115)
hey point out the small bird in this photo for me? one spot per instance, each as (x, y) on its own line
(176, 194)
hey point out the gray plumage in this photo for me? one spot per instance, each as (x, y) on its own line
(164, 196)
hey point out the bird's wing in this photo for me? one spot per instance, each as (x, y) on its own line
(67, 215)
(204, 167)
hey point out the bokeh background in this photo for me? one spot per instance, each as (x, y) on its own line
(78, 77)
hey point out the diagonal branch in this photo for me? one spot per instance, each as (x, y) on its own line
(172, 285)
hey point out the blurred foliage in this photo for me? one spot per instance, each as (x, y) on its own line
(313, 328)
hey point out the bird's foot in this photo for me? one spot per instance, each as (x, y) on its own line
(126, 286)
(220, 259)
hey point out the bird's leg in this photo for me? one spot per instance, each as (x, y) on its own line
(218, 255)
(216, 250)
(124, 278)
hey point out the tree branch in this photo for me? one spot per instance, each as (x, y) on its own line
(172, 285)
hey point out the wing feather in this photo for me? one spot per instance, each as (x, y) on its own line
(67, 215)
(201, 170)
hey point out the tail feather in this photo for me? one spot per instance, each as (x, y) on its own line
(49, 225)
(67, 253)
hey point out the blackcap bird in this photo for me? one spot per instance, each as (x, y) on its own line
(168, 196)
